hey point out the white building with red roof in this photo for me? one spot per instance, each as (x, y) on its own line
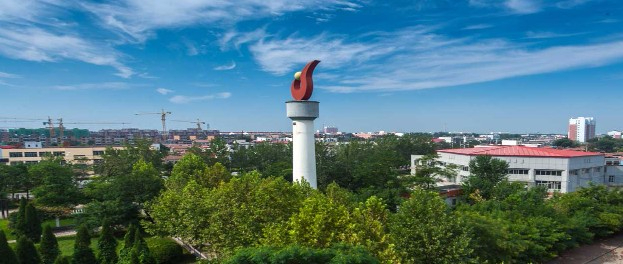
(558, 170)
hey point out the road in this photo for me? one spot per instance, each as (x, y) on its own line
(602, 251)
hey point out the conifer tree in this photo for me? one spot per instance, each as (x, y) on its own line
(49, 246)
(32, 226)
(61, 260)
(7, 256)
(82, 251)
(107, 245)
(26, 251)
(128, 239)
(141, 250)
(20, 221)
(127, 256)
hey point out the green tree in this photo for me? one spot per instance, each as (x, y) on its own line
(20, 220)
(32, 228)
(190, 167)
(82, 247)
(126, 256)
(141, 250)
(564, 143)
(49, 246)
(26, 251)
(428, 172)
(425, 231)
(107, 245)
(61, 260)
(230, 216)
(8, 256)
(485, 173)
(57, 187)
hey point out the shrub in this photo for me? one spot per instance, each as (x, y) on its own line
(165, 250)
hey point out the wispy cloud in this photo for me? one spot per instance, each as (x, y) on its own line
(226, 67)
(527, 6)
(478, 26)
(164, 91)
(8, 75)
(183, 99)
(30, 31)
(415, 58)
(546, 35)
(96, 86)
(136, 19)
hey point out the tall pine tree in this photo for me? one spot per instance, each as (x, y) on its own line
(20, 221)
(49, 246)
(32, 227)
(126, 255)
(107, 245)
(7, 256)
(26, 251)
(82, 247)
(141, 250)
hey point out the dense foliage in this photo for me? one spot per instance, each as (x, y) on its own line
(339, 254)
(7, 253)
(49, 246)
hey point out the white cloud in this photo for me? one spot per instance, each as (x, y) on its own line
(477, 26)
(523, 6)
(136, 19)
(183, 99)
(8, 75)
(32, 30)
(546, 35)
(226, 67)
(164, 91)
(415, 58)
(96, 86)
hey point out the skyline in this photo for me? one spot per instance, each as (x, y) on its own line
(479, 65)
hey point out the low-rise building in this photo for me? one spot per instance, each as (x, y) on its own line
(83, 155)
(558, 170)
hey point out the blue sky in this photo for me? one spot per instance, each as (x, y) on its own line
(467, 65)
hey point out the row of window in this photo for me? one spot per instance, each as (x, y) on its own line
(47, 153)
(550, 185)
(518, 171)
(548, 172)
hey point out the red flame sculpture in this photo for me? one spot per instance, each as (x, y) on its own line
(302, 89)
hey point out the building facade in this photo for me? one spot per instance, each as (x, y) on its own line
(581, 129)
(557, 170)
(83, 155)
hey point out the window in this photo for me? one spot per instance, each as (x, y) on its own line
(59, 153)
(45, 154)
(465, 168)
(574, 172)
(32, 162)
(550, 185)
(98, 152)
(586, 170)
(597, 169)
(30, 154)
(16, 154)
(548, 172)
(518, 171)
(611, 178)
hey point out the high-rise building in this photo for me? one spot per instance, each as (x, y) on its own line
(581, 129)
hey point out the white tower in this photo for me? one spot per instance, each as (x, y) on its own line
(303, 114)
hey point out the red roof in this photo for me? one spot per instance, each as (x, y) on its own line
(520, 151)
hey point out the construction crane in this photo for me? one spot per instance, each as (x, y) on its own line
(50, 125)
(198, 123)
(163, 117)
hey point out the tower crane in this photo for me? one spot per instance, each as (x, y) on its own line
(50, 125)
(198, 123)
(163, 116)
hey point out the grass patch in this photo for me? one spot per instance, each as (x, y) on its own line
(63, 222)
(4, 225)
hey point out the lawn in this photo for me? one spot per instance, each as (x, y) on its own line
(64, 222)
(4, 226)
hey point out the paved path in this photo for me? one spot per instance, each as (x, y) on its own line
(602, 251)
(57, 234)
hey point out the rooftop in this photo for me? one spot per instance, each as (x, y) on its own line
(521, 151)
